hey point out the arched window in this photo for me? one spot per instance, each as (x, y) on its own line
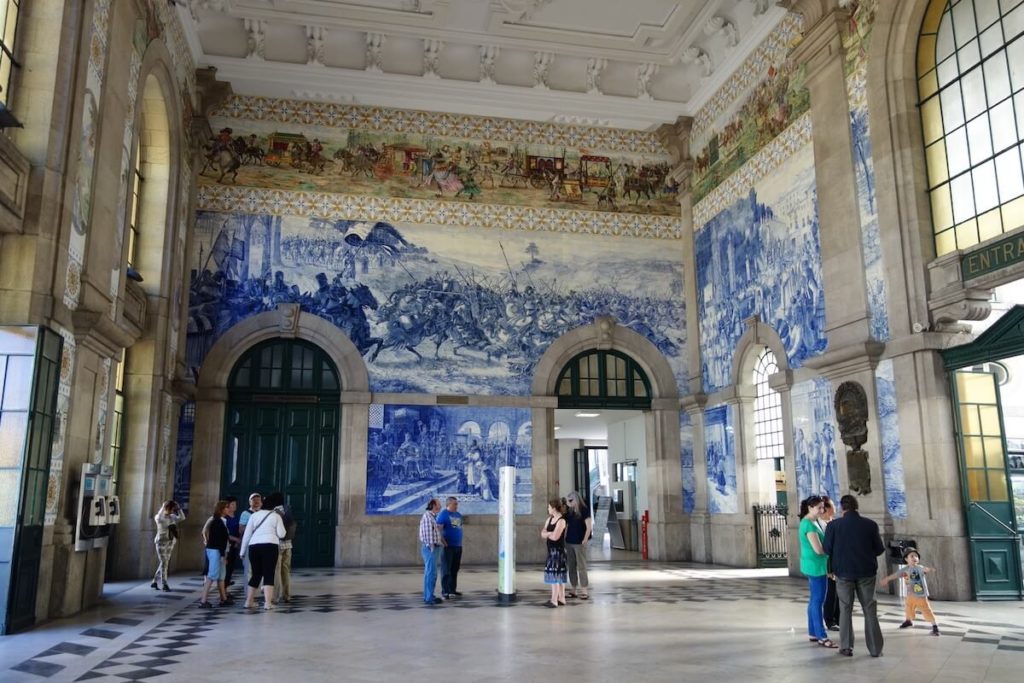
(768, 432)
(970, 67)
(603, 379)
(134, 209)
(284, 366)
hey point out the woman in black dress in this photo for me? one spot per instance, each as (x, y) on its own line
(553, 531)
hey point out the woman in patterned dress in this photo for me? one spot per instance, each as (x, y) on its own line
(553, 532)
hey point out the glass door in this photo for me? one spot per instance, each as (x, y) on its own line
(991, 524)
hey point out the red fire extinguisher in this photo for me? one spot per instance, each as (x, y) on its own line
(644, 521)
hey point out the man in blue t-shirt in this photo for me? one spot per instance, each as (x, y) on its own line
(450, 520)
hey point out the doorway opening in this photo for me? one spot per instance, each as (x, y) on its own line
(281, 434)
(604, 398)
(987, 382)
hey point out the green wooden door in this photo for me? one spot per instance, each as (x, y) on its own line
(991, 527)
(281, 434)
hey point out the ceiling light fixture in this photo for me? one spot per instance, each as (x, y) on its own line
(588, 414)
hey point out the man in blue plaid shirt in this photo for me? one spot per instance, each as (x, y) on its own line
(431, 545)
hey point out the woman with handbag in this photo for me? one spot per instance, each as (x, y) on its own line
(167, 520)
(261, 539)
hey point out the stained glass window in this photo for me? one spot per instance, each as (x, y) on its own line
(970, 67)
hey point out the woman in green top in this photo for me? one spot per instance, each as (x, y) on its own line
(814, 565)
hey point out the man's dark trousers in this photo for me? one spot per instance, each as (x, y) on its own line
(451, 560)
(865, 590)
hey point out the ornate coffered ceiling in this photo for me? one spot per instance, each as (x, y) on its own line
(632, 64)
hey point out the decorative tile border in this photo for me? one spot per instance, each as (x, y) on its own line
(427, 212)
(764, 162)
(514, 131)
(772, 50)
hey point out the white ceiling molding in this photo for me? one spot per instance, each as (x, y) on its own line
(638, 64)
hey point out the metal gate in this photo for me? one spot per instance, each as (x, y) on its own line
(770, 535)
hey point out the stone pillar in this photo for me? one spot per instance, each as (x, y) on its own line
(782, 382)
(851, 354)
(668, 535)
(700, 520)
(842, 262)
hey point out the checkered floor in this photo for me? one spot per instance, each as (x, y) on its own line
(152, 638)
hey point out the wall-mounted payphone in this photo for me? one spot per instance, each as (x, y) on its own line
(98, 507)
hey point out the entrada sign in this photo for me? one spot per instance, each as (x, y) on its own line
(993, 257)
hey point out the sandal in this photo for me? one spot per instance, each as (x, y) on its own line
(827, 642)
(584, 596)
(571, 594)
(812, 639)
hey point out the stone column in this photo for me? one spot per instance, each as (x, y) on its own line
(700, 520)
(782, 382)
(668, 535)
(851, 354)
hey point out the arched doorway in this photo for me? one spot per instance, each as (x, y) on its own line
(281, 434)
(609, 385)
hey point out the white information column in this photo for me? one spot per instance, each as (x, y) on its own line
(506, 536)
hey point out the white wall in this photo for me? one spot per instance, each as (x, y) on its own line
(627, 440)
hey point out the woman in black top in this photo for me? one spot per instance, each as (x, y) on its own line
(553, 532)
(215, 536)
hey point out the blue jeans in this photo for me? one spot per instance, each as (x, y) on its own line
(815, 621)
(431, 558)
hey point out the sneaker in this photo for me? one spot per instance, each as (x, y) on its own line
(906, 624)
(435, 601)
(846, 652)
(446, 596)
(167, 588)
(153, 585)
(457, 594)
(935, 630)
(205, 605)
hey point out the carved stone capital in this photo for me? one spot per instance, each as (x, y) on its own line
(605, 331)
(822, 43)
(693, 404)
(951, 300)
(212, 93)
(811, 10)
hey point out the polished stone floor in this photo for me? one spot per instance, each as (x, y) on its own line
(643, 622)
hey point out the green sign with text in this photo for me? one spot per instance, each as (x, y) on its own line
(993, 257)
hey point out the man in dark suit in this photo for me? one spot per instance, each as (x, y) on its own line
(853, 545)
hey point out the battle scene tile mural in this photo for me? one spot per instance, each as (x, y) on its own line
(762, 256)
(686, 462)
(433, 309)
(814, 439)
(892, 452)
(419, 452)
(720, 451)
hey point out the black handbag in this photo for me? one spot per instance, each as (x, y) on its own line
(172, 532)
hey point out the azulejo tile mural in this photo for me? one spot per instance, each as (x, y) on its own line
(779, 98)
(892, 452)
(433, 309)
(419, 452)
(306, 146)
(686, 462)
(720, 452)
(427, 212)
(856, 39)
(814, 439)
(762, 256)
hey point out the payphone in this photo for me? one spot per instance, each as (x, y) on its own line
(98, 508)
